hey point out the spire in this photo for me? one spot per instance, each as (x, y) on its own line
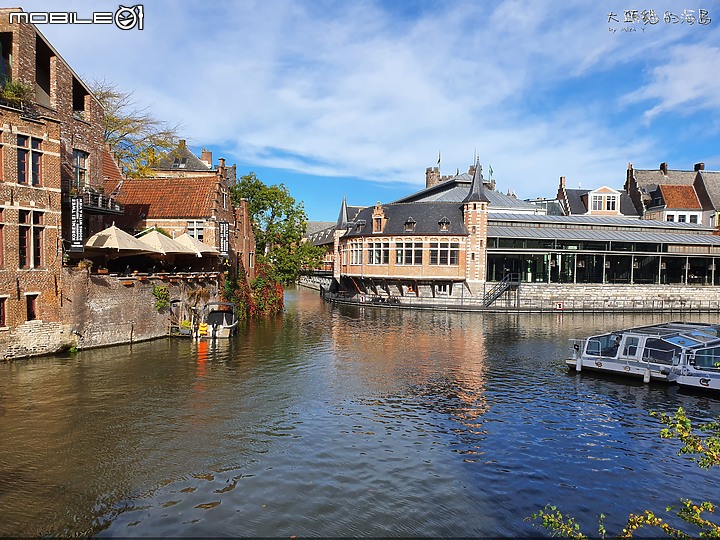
(477, 190)
(342, 221)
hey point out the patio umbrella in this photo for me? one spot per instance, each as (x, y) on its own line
(117, 240)
(165, 244)
(197, 246)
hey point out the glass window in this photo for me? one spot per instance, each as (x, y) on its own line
(80, 170)
(597, 202)
(606, 345)
(610, 202)
(708, 358)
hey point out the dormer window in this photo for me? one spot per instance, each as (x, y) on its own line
(610, 203)
(444, 224)
(179, 163)
(360, 224)
(410, 224)
(377, 224)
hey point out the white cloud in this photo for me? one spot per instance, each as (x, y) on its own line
(347, 89)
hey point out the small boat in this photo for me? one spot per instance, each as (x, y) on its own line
(220, 321)
(685, 353)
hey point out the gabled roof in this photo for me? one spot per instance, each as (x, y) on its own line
(111, 175)
(680, 197)
(656, 177)
(427, 218)
(156, 198)
(181, 159)
(711, 182)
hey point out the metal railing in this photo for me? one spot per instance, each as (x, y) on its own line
(510, 281)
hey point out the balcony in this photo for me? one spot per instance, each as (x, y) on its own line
(94, 202)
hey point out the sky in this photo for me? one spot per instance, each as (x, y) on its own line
(359, 97)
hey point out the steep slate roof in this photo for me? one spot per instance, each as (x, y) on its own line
(711, 181)
(456, 189)
(680, 197)
(477, 191)
(426, 217)
(656, 177)
(181, 159)
(157, 198)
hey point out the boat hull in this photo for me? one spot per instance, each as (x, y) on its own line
(615, 367)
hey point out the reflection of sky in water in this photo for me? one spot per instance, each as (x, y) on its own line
(338, 421)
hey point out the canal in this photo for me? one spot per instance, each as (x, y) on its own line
(338, 421)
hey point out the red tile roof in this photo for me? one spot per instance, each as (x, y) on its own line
(111, 175)
(157, 198)
(680, 197)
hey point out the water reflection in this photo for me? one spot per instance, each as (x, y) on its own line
(336, 421)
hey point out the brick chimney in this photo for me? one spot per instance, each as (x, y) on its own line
(206, 157)
(699, 166)
(471, 171)
(221, 167)
(432, 176)
(663, 168)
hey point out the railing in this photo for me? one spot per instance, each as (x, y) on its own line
(92, 200)
(510, 281)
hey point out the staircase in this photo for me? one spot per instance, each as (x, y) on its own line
(510, 282)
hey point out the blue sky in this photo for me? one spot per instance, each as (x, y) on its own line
(357, 98)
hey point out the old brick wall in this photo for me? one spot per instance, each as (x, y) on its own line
(109, 310)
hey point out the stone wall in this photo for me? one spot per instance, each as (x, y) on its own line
(560, 297)
(110, 310)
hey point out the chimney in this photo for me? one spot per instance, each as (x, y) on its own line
(562, 182)
(432, 176)
(206, 157)
(471, 170)
(221, 167)
(699, 166)
(181, 143)
(663, 168)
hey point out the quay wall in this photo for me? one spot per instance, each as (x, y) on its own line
(101, 310)
(540, 297)
(112, 310)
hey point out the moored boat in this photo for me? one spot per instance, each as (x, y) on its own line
(219, 321)
(685, 353)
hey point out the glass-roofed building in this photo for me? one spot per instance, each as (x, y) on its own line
(458, 237)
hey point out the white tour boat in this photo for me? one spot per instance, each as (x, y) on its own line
(676, 352)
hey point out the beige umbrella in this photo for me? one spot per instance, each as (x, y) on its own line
(165, 244)
(116, 239)
(197, 246)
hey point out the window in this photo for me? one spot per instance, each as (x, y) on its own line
(3, 320)
(5, 57)
(693, 219)
(179, 163)
(610, 203)
(31, 302)
(444, 253)
(378, 252)
(410, 225)
(30, 239)
(408, 253)
(681, 218)
(356, 252)
(670, 217)
(377, 224)
(80, 159)
(444, 224)
(29, 160)
(597, 202)
(442, 288)
(196, 230)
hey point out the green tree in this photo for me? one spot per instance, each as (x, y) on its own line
(136, 137)
(279, 223)
(702, 444)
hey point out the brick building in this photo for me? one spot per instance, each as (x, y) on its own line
(50, 148)
(199, 206)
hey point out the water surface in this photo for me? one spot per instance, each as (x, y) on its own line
(338, 421)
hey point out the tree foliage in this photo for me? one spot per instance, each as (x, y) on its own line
(136, 137)
(702, 444)
(279, 223)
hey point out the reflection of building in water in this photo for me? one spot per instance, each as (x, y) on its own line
(438, 355)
